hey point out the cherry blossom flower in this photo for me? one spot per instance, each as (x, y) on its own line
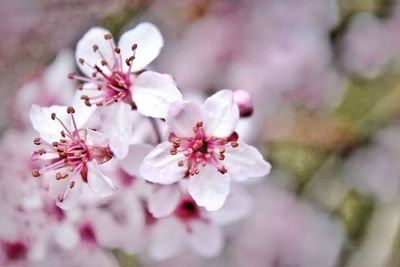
(193, 228)
(116, 79)
(203, 148)
(70, 155)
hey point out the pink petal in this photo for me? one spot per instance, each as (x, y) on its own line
(159, 166)
(149, 43)
(164, 200)
(222, 114)
(132, 162)
(153, 93)
(209, 188)
(206, 239)
(84, 50)
(99, 184)
(245, 162)
(168, 238)
(182, 117)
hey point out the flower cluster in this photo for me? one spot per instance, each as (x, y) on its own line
(129, 141)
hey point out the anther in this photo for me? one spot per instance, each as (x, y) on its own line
(234, 144)
(222, 169)
(71, 75)
(70, 110)
(35, 173)
(173, 151)
(108, 36)
(82, 61)
(71, 184)
(103, 62)
(53, 116)
(180, 163)
(58, 176)
(37, 141)
(199, 124)
(117, 50)
(134, 46)
(95, 47)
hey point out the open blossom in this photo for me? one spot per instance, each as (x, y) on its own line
(203, 148)
(69, 154)
(116, 80)
(193, 228)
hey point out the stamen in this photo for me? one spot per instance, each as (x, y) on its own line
(37, 141)
(35, 173)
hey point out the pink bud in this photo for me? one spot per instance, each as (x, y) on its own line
(245, 103)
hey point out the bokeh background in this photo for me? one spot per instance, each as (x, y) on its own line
(324, 77)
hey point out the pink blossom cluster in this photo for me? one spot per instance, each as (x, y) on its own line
(123, 162)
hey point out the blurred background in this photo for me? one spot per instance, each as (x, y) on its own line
(324, 78)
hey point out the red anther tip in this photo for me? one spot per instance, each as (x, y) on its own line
(71, 75)
(37, 141)
(70, 110)
(108, 36)
(35, 173)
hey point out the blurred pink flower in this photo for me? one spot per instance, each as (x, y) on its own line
(284, 231)
(193, 228)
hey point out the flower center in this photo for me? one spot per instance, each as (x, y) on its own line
(70, 154)
(112, 82)
(200, 149)
(87, 233)
(15, 250)
(187, 209)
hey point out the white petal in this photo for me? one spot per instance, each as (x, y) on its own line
(245, 162)
(237, 206)
(209, 188)
(100, 184)
(222, 114)
(118, 127)
(164, 200)
(95, 138)
(132, 162)
(84, 50)
(61, 189)
(206, 239)
(66, 236)
(48, 129)
(57, 82)
(159, 166)
(82, 112)
(168, 238)
(182, 117)
(153, 93)
(149, 43)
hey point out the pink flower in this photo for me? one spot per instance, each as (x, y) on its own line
(70, 154)
(192, 228)
(116, 78)
(203, 148)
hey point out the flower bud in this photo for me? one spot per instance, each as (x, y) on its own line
(243, 99)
